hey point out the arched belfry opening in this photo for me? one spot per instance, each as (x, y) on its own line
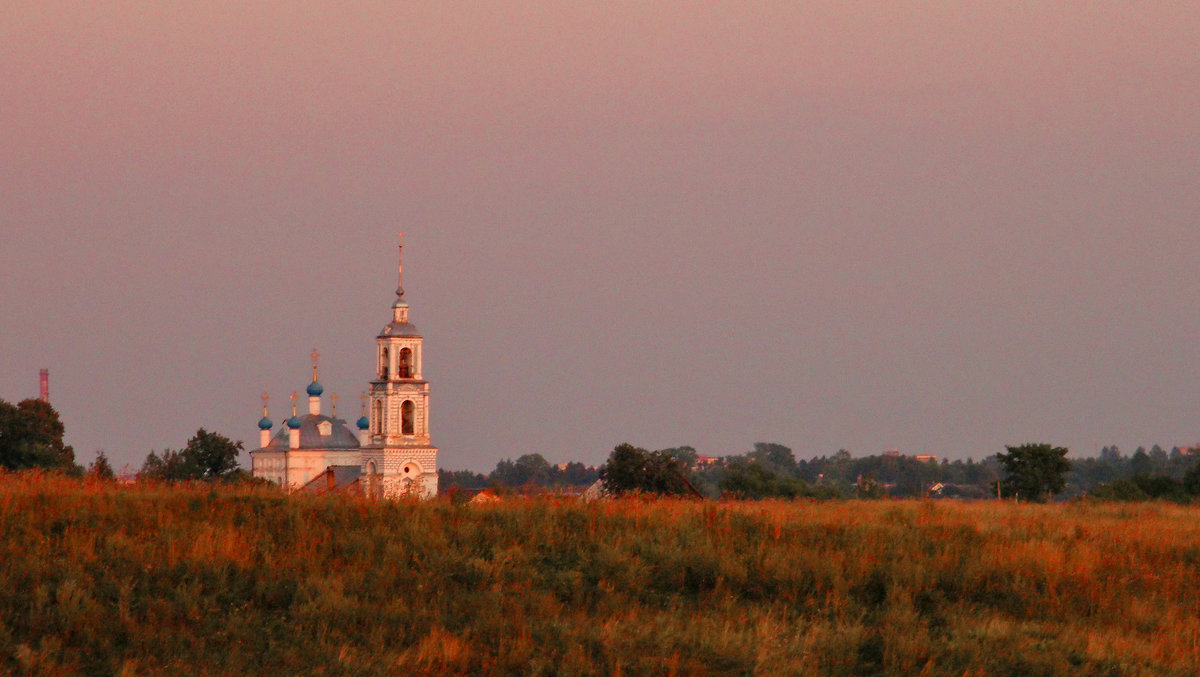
(406, 417)
(383, 363)
(405, 368)
(377, 419)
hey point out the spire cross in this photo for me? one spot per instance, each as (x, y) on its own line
(334, 398)
(315, 355)
(400, 266)
(363, 398)
(293, 403)
(265, 397)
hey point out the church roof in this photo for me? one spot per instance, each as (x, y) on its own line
(335, 478)
(400, 329)
(340, 436)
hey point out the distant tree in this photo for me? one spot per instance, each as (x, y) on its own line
(1159, 459)
(31, 436)
(532, 469)
(460, 479)
(215, 455)
(777, 457)
(1191, 481)
(101, 469)
(207, 456)
(754, 480)
(1140, 462)
(869, 488)
(152, 467)
(630, 469)
(576, 474)
(1142, 487)
(170, 466)
(1123, 489)
(504, 474)
(747, 479)
(685, 453)
(1034, 472)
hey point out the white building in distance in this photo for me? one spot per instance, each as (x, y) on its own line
(389, 455)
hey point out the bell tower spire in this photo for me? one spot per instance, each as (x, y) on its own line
(400, 307)
(400, 266)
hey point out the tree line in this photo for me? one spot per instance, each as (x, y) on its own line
(1034, 471)
(31, 436)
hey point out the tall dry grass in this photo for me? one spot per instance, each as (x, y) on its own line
(98, 579)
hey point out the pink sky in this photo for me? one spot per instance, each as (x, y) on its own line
(939, 228)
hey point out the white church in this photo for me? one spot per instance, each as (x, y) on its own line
(389, 455)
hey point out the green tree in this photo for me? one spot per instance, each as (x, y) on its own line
(1159, 459)
(101, 469)
(1034, 472)
(460, 479)
(31, 436)
(170, 466)
(215, 455)
(527, 469)
(754, 480)
(776, 457)
(1140, 462)
(577, 474)
(1191, 480)
(630, 469)
(207, 456)
(685, 453)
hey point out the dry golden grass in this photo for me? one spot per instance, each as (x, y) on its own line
(226, 580)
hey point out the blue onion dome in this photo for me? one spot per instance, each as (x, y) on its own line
(314, 389)
(264, 423)
(363, 423)
(293, 423)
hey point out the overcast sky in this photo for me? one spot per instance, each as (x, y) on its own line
(936, 227)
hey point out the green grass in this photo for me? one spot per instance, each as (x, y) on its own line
(157, 580)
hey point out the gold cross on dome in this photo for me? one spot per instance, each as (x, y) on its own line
(315, 355)
(334, 398)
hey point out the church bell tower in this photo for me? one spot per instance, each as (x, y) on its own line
(399, 459)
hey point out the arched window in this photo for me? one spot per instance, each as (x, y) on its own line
(406, 417)
(372, 480)
(405, 368)
(377, 419)
(383, 364)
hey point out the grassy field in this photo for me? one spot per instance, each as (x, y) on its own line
(105, 580)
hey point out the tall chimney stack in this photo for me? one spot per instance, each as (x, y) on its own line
(45, 377)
